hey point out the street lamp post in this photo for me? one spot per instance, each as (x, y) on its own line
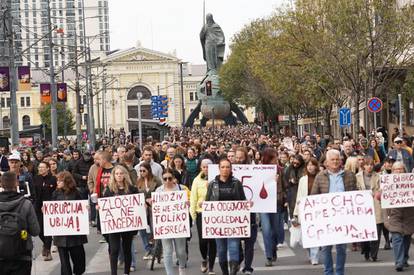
(139, 96)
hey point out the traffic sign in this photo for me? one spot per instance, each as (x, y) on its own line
(344, 117)
(374, 105)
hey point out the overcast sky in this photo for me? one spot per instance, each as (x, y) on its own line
(168, 25)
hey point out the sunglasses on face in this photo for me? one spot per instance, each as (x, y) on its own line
(168, 179)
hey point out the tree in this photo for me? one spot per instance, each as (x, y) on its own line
(63, 117)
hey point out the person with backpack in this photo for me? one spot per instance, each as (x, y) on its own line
(18, 224)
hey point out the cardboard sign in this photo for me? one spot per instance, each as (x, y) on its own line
(170, 215)
(259, 182)
(122, 213)
(226, 219)
(397, 190)
(337, 218)
(64, 218)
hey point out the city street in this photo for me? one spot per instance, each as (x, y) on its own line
(290, 262)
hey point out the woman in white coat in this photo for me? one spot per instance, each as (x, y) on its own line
(304, 188)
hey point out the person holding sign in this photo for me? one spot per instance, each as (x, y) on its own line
(170, 184)
(333, 180)
(198, 195)
(120, 184)
(69, 246)
(400, 222)
(369, 180)
(305, 186)
(225, 187)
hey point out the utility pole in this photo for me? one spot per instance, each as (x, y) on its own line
(77, 92)
(182, 95)
(139, 96)
(98, 111)
(400, 114)
(103, 103)
(14, 119)
(91, 133)
(53, 113)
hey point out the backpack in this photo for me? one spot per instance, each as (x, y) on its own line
(13, 233)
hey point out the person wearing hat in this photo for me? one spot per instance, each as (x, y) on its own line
(400, 154)
(25, 186)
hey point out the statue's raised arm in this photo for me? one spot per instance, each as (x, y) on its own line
(213, 44)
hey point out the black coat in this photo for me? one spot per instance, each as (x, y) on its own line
(44, 188)
(80, 169)
(68, 241)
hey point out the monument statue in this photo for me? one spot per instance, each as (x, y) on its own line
(212, 104)
(213, 44)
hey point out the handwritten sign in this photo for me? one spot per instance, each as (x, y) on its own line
(64, 218)
(397, 190)
(259, 182)
(226, 219)
(170, 216)
(337, 218)
(122, 213)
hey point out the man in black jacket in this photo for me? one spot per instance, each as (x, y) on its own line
(10, 200)
(80, 173)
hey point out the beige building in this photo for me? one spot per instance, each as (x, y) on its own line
(125, 72)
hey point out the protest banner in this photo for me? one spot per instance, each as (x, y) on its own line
(259, 182)
(170, 215)
(337, 218)
(397, 190)
(226, 219)
(122, 213)
(64, 218)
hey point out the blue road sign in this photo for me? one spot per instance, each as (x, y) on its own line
(154, 98)
(344, 117)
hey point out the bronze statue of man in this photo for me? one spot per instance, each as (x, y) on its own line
(213, 44)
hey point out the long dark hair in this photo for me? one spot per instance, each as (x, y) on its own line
(268, 155)
(141, 181)
(69, 184)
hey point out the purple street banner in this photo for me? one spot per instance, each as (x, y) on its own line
(45, 93)
(4, 79)
(62, 92)
(23, 74)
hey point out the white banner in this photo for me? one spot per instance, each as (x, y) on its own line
(226, 219)
(259, 182)
(122, 213)
(64, 218)
(338, 218)
(170, 215)
(397, 190)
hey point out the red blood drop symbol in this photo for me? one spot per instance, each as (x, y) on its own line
(263, 192)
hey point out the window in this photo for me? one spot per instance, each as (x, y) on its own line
(3, 102)
(26, 121)
(6, 122)
(84, 100)
(22, 102)
(8, 102)
(191, 96)
(28, 101)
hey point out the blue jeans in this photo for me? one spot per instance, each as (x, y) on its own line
(401, 246)
(270, 229)
(314, 254)
(280, 223)
(133, 251)
(145, 242)
(168, 246)
(230, 245)
(340, 259)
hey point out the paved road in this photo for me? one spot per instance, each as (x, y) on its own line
(290, 262)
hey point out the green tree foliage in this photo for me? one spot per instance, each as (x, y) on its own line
(320, 54)
(63, 117)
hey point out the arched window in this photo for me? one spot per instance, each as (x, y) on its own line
(132, 94)
(26, 121)
(6, 122)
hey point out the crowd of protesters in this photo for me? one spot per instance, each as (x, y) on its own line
(306, 165)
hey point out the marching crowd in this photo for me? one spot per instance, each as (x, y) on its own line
(306, 165)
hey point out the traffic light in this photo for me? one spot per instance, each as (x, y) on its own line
(81, 108)
(394, 107)
(209, 88)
